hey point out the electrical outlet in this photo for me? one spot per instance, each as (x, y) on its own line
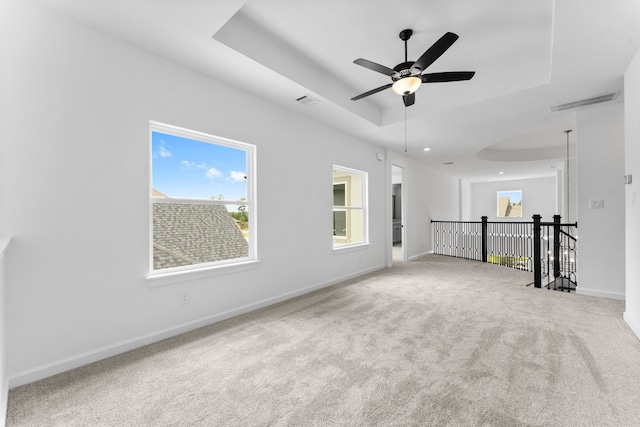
(596, 204)
(184, 298)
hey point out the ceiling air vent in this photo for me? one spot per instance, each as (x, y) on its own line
(307, 100)
(585, 102)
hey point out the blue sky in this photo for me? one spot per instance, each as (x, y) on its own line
(514, 196)
(183, 167)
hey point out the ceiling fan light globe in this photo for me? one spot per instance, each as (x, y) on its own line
(407, 85)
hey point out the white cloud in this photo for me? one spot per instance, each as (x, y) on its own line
(202, 166)
(187, 164)
(236, 176)
(164, 152)
(213, 173)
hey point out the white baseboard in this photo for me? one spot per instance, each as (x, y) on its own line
(75, 361)
(634, 324)
(601, 294)
(4, 401)
(411, 258)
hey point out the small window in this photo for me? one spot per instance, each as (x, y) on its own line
(510, 204)
(350, 226)
(202, 200)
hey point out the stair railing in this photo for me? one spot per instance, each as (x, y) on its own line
(548, 249)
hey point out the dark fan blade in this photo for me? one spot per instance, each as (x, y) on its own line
(375, 67)
(434, 52)
(409, 100)
(372, 91)
(449, 76)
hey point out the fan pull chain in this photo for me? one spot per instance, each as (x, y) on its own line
(405, 129)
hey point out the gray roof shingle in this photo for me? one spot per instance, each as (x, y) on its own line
(187, 234)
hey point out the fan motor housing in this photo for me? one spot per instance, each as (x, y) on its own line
(404, 70)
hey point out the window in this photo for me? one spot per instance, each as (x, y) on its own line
(202, 200)
(350, 226)
(510, 204)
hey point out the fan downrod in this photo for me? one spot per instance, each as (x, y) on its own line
(404, 36)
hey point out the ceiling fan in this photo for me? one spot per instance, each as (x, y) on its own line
(407, 76)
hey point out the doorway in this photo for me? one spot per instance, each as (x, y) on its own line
(397, 214)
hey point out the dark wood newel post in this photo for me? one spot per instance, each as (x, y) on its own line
(556, 246)
(484, 239)
(537, 267)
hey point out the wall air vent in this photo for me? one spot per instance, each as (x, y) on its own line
(585, 102)
(307, 100)
(448, 163)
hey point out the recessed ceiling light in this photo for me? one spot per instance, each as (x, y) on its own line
(427, 149)
(500, 172)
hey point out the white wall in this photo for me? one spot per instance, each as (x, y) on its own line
(4, 378)
(567, 206)
(632, 203)
(75, 116)
(430, 196)
(601, 264)
(539, 196)
(465, 213)
(75, 110)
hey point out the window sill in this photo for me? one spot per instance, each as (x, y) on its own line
(350, 248)
(159, 279)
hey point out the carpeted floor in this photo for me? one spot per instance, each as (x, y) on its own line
(433, 342)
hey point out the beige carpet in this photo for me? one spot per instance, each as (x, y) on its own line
(433, 342)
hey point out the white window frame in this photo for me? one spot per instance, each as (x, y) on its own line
(349, 187)
(341, 208)
(179, 274)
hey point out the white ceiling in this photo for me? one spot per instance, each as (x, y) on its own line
(528, 55)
